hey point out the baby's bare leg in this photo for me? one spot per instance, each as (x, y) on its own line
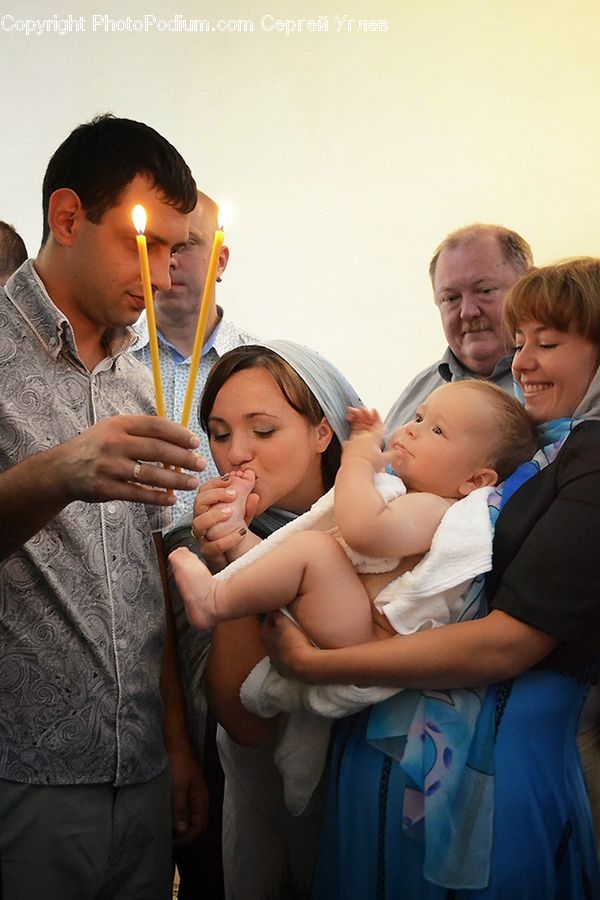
(309, 572)
(331, 604)
(196, 586)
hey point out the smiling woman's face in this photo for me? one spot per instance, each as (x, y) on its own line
(252, 426)
(554, 369)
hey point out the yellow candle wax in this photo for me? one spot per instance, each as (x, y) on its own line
(209, 284)
(139, 220)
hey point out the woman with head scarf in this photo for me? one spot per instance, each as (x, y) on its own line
(278, 409)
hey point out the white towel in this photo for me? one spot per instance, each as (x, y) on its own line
(303, 736)
(430, 595)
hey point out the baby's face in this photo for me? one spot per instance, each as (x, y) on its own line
(446, 443)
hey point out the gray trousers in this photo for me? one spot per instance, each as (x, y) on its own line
(86, 842)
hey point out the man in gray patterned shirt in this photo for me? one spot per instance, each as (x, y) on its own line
(84, 785)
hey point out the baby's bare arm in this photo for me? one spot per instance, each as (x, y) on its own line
(357, 502)
(408, 524)
(366, 521)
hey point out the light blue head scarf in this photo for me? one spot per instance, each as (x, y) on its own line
(332, 391)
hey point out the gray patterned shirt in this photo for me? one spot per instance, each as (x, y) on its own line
(81, 606)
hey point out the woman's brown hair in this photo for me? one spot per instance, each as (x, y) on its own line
(565, 296)
(291, 385)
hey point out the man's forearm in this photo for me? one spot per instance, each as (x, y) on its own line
(101, 463)
(32, 493)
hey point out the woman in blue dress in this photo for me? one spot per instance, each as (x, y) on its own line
(453, 789)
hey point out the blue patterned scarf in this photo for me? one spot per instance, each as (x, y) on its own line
(444, 740)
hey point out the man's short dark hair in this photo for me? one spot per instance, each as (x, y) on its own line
(13, 251)
(100, 158)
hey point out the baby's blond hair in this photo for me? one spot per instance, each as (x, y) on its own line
(515, 441)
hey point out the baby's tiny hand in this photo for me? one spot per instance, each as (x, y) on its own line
(365, 445)
(363, 419)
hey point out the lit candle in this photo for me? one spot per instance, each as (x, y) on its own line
(139, 220)
(209, 284)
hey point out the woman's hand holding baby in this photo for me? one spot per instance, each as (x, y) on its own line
(291, 652)
(223, 508)
(239, 486)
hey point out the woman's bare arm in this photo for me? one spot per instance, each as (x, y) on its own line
(464, 654)
(235, 649)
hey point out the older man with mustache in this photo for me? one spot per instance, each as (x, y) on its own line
(471, 271)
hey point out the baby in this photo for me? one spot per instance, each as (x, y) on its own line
(466, 435)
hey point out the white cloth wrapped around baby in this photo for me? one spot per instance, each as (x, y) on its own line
(431, 594)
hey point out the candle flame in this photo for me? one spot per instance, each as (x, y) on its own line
(138, 214)
(225, 215)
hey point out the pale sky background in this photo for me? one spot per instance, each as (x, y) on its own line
(347, 154)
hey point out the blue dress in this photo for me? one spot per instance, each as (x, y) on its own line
(542, 846)
(542, 834)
